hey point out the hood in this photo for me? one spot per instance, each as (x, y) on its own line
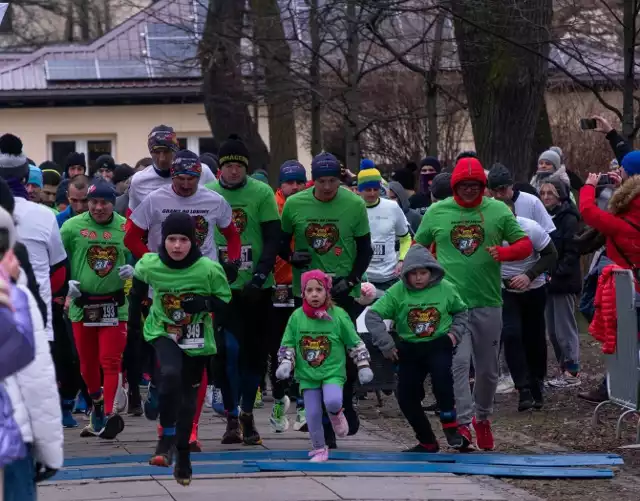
(565, 208)
(559, 175)
(280, 200)
(468, 169)
(401, 193)
(626, 196)
(419, 257)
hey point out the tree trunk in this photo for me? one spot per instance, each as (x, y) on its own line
(504, 82)
(68, 23)
(629, 22)
(542, 139)
(84, 22)
(107, 16)
(314, 79)
(276, 60)
(432, 90)
(352, 100)
(225, 100)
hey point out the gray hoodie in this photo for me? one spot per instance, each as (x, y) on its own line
(412, 215)
(417, 257)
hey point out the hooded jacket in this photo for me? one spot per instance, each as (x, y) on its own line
(34, 395)
(412, 215)
(419, 315)
(620, 225)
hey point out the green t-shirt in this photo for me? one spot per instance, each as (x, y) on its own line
(320, 347)
(252, 205)
(326, 229)
(95, 252)
(193, 333)
(420, 315)
(462, 236)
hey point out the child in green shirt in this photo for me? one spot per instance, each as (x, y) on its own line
(314, 343)
(430, 320)
(187, 288)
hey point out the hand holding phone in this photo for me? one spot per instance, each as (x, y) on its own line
(588, 123)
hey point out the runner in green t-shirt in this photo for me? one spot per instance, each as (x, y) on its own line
(468, 231)
(330, 230)
(256, 217)
(314, 342)
(430, 319)
(187, 288)
(94, 242)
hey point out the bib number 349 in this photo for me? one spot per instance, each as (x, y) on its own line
(193, 337)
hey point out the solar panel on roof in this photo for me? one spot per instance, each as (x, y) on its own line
(114, 69)
(79, 69)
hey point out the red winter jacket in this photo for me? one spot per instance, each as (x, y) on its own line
(624, 208)
(604, 326)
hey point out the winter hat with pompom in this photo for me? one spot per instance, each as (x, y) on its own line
(13, 163)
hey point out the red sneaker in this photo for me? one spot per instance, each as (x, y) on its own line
(484, 435)
(465, 432)
(194, 443)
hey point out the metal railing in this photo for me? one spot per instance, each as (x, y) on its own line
(623, 366)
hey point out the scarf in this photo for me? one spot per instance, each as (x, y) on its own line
(17, 188)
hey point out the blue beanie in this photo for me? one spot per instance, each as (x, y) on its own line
(102, 189)
(323, 165)
(631, 163)
(292, 170)
(35, 176)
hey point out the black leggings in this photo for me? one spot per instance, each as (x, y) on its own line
(65, 357)
(179, 378)
(277, 325)
(138, 355)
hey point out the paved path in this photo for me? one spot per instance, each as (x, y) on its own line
(139, 438)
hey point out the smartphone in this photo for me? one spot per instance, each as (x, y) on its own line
(588, 123)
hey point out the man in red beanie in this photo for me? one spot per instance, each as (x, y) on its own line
(469, 230)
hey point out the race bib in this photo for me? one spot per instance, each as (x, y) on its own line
(283, 296)
(100, 315)
(246, 256)
(188, 337)
(379, 251)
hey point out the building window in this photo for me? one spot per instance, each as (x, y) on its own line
(92, 149)
(198, 144)
(6, 26)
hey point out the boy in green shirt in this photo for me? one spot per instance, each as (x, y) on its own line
(430, 319)
(468, 231)
(187, 288)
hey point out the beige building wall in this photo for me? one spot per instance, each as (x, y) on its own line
(126, 126)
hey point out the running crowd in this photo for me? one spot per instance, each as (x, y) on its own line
(191, 276)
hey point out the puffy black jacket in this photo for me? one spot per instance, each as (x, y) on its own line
(566, 277)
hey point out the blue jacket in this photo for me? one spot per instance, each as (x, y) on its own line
(64, 215)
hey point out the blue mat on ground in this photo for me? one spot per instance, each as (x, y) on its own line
(550, 460)
(141, 471)
(462, 469)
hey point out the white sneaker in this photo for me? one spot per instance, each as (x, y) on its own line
(567, 380)
(505, 385)
(121, 400)
(278, 420)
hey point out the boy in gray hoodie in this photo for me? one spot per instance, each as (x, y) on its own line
(399, 194)
(430, 319)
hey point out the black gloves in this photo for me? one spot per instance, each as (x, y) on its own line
(300, 259)
(231, 269)
(253, 288)
(341, 287)
(195, 304)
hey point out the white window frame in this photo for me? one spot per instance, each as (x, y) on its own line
(193, 142)
(82, 144)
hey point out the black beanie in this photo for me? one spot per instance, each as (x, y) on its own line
(406, 178)
(122, 173)
(13, 163)
(233, 150)
(431, 162)
(179, 223)
(499, 176)
(105, 162)
(74, 158)
(7, 202)
(441, 186)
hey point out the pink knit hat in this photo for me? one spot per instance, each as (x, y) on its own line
(318, 275)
